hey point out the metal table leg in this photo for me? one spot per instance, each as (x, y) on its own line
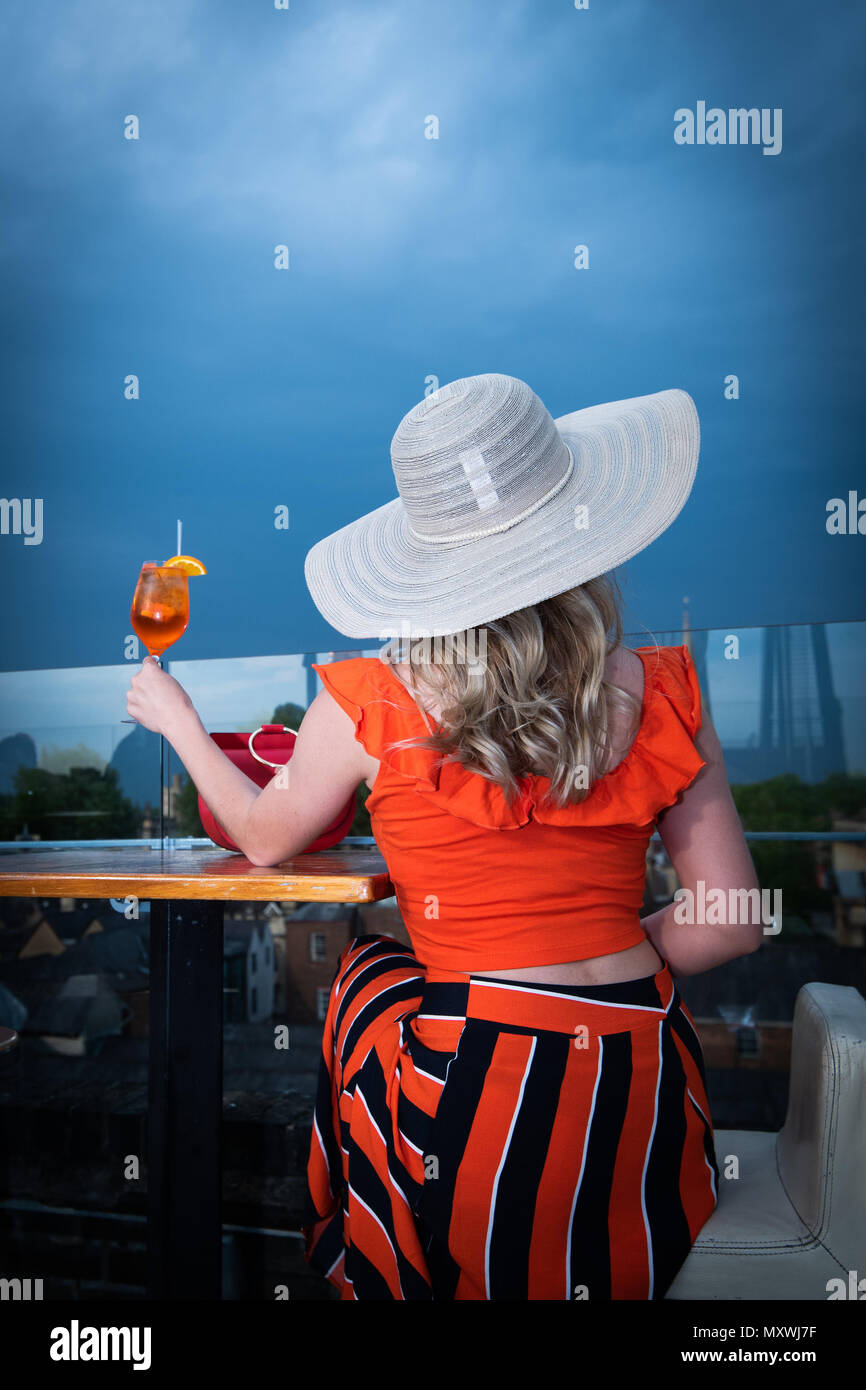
(185, 1086)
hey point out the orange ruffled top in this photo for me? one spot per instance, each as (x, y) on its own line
(485, 885)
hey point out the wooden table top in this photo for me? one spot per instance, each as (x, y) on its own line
(351, 874)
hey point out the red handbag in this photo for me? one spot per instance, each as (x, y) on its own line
(278, 742)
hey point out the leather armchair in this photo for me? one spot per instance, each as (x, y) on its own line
(795, 1217)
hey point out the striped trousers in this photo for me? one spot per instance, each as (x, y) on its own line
(479, 1139)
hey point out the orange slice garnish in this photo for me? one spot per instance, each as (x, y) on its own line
(187, 564)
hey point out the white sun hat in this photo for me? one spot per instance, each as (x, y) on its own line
(501, 506)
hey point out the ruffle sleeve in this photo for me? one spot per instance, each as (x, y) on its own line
(382, 711)
(660, 763)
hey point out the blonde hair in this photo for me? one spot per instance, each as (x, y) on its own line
(539, 702)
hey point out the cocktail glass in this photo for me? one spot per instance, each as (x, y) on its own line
(160, 607)
(160, 615)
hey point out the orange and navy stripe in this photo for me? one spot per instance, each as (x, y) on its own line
(569, 1126)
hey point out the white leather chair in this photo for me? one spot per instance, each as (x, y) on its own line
(796, 1215)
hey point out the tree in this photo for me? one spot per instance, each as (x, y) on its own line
(785, 803)
(781, 803)
(844, 795)
(289, 714)
(361, 824)
(187, 812)
(55, 759)
(81, 804)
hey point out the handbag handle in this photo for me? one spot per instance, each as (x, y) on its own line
(268, 729)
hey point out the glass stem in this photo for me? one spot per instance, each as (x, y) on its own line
(158, 660)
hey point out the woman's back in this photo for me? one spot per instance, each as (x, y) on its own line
(624, 669)
(558, 901)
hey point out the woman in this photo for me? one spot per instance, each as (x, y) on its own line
(515, 1108)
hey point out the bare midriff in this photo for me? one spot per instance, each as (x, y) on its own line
(631, 964)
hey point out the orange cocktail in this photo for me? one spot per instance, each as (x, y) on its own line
(160, 607)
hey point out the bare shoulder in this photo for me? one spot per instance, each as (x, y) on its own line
(327, 734)
(624, 668)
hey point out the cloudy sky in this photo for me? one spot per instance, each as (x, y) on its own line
(411, 258)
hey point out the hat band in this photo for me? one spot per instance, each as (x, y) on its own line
(504, 525)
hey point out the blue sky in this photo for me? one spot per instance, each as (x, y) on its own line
(409, 258)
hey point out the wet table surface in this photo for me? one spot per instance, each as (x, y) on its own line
(351, 874)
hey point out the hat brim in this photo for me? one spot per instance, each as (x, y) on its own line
(634, 465)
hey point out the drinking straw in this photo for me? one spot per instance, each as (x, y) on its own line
(161, 792)
(161, 738)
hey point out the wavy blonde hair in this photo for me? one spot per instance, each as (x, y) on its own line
(539, 702)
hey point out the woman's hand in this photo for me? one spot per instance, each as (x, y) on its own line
(155, 699)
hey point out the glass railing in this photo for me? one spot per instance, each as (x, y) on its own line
(788, 703)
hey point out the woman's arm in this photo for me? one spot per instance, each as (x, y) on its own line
(706, 845)
(690, 950)
(271, 825)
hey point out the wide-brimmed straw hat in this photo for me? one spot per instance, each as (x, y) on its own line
(501, 506)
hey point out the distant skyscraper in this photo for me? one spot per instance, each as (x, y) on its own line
(801, 717)
(799, 714)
